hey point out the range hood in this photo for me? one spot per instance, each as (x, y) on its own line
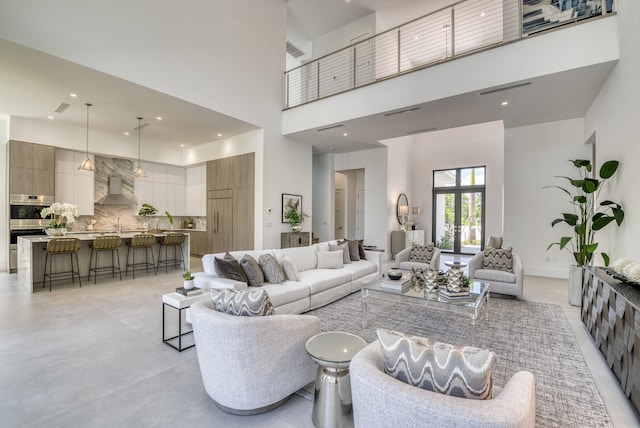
(114, 197)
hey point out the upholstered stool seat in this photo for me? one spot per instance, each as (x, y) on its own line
(145, 242)
(100, 244)
(173, 240)
(61, 247)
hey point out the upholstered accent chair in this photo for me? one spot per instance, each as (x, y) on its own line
(380, 400)
(502, 280)
(404, 260)
(252, 364)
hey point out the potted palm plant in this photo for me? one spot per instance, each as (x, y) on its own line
(294, 216)
(587, 217)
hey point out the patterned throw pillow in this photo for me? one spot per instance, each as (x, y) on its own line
(272, 270)
(228, 267)
(498, 259)
(246, 303)
(252, 270)
(344, 246)
(458, 371)
(421, 253)
(290, 268)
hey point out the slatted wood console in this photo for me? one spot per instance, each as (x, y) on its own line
(610, 311)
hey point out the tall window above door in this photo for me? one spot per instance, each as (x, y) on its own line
(458, 209)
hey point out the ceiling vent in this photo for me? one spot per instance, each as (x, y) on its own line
(294, 51)
(422, 131)
(141, 126)
(505, 88)
(62, 107)
(329, 127)
(406, 110)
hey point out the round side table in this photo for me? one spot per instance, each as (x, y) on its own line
(333, 351)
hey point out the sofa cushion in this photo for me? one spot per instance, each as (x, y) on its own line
(290, 291)
(330, 259)
(252, 270)
(360, 269)
(498, 259)
(289, 267)
(228, 267)
(421, 253)
(248, 303)
(346, 258)
(272, 270)
(354, 253)
(490, 275)
(323, 279)
(305, 258)
(463, 372)
(324, 246)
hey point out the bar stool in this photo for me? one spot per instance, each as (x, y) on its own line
(60, 247)
(142, 241)
(105, 243)
(174, 240)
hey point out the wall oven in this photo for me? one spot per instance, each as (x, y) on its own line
(25, 220)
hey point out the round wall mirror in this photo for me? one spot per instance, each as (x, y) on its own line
(402, 207)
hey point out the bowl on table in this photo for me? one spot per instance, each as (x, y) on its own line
(394, 274)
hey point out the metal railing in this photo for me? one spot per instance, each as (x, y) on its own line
(462, 28)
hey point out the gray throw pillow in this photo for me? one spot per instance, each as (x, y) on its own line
(354, 254)
(272, 270)
(494, 242)
(228, 267)
(422, 253)
(344, 246)
(363, 255)
(498, 259)
(247, 303)
(252, 270)
(452, 370)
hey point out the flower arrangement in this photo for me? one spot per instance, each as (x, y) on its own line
(61, 214)
(627, 269)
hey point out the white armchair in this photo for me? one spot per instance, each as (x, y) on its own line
(502, 282)
(251, 365)
(381, 401)
(402, 260)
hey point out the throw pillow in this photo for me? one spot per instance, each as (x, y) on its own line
(463, 372)
(421, 253)
(363, 255)
(344, 246)
(228, 267)
(272, 270)
(330, 260)
(494, 242)
(252, 270)
(354, 254)
(247, 303)
(498, 259)
(290, 268)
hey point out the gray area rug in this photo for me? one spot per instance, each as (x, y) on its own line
(526, 336)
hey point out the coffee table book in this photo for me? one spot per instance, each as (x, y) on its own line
(189, 291)
(463, 294)
(395, 284)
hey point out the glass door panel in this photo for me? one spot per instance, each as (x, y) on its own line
(444, 225)
(471, 222)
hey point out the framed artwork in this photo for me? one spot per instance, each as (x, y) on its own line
(291, 202)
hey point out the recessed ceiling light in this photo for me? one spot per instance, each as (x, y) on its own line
(72, 95)
(504, 103)
(158, 118)
(50, 117)
(345, 134)
(126, 133)
(181, 145)
(219, 135)
(416, 38)
(482, 14)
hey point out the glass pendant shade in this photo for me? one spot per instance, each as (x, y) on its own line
(138, 172)
(87, 165)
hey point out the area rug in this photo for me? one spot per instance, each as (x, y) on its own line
(526, 336)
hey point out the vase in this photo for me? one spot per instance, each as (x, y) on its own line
(56, 231)
(296, 228)
(454, 280)
(575, 285)
(188, 284)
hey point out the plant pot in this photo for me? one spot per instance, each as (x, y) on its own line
(575, 285)
(188, 284)
(297, 228)
(56, 231)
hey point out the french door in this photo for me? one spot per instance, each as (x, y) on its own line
(458, 210)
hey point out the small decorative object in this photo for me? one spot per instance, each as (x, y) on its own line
(61, 215)
(431, 278)
(189, 280)
(454, 280)
(170, 217)
(394, 274)
(146, 211)
(292, 211)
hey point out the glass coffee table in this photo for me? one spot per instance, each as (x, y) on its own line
(471, 305)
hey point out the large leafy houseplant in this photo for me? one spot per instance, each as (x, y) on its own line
(588, 216)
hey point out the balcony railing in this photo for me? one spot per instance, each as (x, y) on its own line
(462, 28)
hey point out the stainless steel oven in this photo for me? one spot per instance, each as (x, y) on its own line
(25, 219)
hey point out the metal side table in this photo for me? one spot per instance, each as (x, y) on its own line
(180, 303)
(333, 352)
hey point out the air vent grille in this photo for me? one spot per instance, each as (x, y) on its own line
(329, 127)
(62, 107)
(294, 51)
(406, 110)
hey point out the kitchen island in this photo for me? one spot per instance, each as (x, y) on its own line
(31, 255)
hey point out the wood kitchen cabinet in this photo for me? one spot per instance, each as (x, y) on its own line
(31, 168)
(198, 242)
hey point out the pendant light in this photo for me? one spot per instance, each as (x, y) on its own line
(87, 165)
(139, 172)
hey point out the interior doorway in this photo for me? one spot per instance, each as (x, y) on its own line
(349, 204)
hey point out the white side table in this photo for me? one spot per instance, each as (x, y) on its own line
(180, 303)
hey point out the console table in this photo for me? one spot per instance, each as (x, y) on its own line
(294, 239)
(401, 239)
(611, 314)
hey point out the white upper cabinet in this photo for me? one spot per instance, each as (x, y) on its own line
(71, 185)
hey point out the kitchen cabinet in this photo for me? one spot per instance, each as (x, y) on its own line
(198, 242)
(195, 200)
(220, 222)
(73, 186)
(31, 168)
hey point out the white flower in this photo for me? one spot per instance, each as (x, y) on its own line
(632, 272)
(61, 214)
(620, 264)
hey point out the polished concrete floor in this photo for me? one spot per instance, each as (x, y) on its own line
(93, 356)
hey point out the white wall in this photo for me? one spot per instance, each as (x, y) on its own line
(323, 201)
(377, 204)
(534, 155)
(399, 171)
(614, 118)
(4, 196)
(343, 36)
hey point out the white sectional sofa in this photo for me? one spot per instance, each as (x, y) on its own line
(312, 289)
